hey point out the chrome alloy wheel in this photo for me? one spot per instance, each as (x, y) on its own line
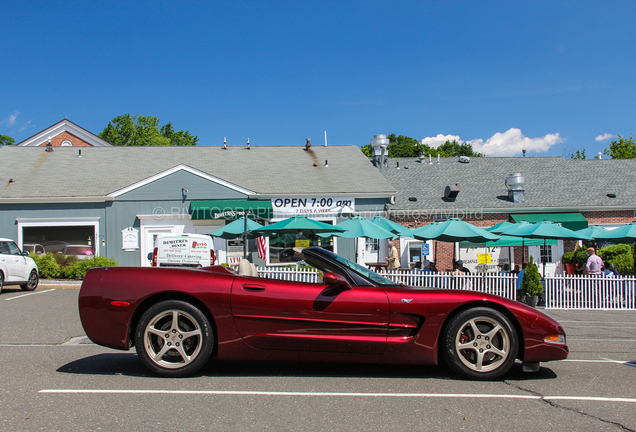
(482, 344)
(172, 339)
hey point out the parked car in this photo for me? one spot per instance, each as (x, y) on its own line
(81, 252)
(177, 319)
(35, 248)
(54, 246)
(16, 268)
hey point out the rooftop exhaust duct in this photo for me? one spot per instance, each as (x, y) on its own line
(515, 184)
(380, 154)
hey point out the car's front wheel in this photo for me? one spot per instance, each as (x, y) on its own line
(1, 281)
(174, 339)
(480, 343)
(32, 283)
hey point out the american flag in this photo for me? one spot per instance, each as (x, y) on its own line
(262, 249)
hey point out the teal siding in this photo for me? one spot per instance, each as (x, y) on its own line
(170, 188)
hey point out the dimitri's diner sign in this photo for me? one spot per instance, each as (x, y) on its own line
(313, 206)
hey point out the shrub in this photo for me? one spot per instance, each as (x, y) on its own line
(621, 256)
(78, 269)
(531, 283)
(569, 258)
(48, 268)
(581, 254)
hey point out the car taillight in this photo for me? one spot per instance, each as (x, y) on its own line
(154, 258)
(212, 256)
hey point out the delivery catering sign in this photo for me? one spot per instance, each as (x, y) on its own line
(313, 206)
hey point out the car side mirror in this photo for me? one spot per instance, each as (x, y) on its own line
(336, 280)
(25, 253)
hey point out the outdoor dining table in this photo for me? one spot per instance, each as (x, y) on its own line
(377, 266)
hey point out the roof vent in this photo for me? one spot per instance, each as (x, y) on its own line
(451, 192)
(412, 198)
(308, 144)
(610, 195)
(380, 143)
(515, 184)
(462, 159)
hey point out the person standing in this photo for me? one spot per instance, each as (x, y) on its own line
(393, 259)
(594, 262)
(460, 266)
(519, 280)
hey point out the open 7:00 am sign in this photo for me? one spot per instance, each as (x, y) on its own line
(314, 205)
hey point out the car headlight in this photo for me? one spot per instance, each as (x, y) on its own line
(555, 339)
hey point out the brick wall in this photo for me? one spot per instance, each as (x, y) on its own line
(57, 140)
(607, 217)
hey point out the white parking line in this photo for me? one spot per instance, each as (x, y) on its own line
(33, 293)
(336, 394)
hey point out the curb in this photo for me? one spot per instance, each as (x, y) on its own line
(67, 282)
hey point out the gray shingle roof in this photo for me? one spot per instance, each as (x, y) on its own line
(550, 182)
(271, 170)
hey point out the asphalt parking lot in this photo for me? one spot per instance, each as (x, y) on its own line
(55, 379)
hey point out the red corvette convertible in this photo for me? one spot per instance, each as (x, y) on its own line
(178, 319)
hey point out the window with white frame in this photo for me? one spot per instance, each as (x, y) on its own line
(546, 253)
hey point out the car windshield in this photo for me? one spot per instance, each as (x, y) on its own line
(362, 271)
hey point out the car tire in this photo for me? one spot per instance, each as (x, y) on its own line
(480, 344)
(174, 339)
(1, 281)
(32, 283)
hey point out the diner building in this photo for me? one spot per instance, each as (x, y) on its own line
(114, 201)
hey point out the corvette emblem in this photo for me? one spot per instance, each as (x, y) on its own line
(407, 300)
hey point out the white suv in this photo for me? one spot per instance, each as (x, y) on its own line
(16, 268)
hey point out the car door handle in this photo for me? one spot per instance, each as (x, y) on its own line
(254, 287)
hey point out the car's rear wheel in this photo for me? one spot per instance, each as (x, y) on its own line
(32, 283)
(1, 281)
(174, 339)
(480, 343)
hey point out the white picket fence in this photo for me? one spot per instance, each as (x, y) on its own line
(561, 292)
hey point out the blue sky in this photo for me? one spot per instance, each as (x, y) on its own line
(549, 77)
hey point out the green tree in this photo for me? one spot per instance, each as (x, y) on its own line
(6, 140)
(622, 149)
(455, 149)
(133, 130)
(579, 155)
(403, 146)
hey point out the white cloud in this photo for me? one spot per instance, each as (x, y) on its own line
(604, 137)
(25, 126)
(440, 139)
(10, 121)
(512, 142)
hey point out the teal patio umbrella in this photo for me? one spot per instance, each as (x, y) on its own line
(298, 223)
(237, 228)
(624, 234)
(389, 225)
(543, 230)
(454, 230)
(357, 227)
(501, 226)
